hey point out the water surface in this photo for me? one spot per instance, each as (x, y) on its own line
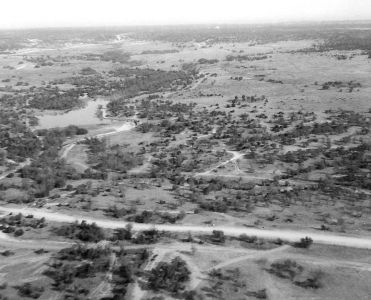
(80, 117)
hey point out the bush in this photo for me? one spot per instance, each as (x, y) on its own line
(88, 71)
(3, 286)
(122, 234)
(7, 253)
(260, 294)
(248, 239)
(217, 237)
(18, 232)
(310, 280)
(30, 291)
(304, 243)
(169, 276)
(286, 269)
(147, 237)
(290, 269)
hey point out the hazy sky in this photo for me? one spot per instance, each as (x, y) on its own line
(41, 13)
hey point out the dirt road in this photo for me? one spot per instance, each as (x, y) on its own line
(20, 166)
(125, 127)
(236, 155)
(289, 235)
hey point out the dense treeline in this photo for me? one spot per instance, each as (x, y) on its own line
(55, 99)
(150, 80)
(48, 171)
(104, 158)
(128, 82)
(68, 131)
(16, 138)
(348, 40)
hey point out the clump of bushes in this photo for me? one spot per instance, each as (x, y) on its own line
(84, 232)
(170, 277)
(290, 269)
(304, 243)
(30, 291)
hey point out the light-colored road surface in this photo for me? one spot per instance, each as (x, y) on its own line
(236, 155)
(104, 289)
(125, 127)
(11, 242)
(68, 147)
(20, 166)
(253, 255)
(288, 235)
(67, 150)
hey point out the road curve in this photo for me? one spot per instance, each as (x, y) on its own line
(69, 146)
(288, 235)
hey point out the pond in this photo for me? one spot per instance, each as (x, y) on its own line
(84, 116)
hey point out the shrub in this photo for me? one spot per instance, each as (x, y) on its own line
(169, 276)
(30, 291)
(286, 269)
(83, 231)
(122, 234)
(218, 237)
(310, 280)
(290, 269)
(248, 239)
(304, 243)
(18, 232)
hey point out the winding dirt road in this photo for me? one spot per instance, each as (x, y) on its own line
(68, 147)
(236, 155)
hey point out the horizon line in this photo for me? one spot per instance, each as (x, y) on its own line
(211, 23)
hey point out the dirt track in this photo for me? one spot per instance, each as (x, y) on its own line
(289, 235)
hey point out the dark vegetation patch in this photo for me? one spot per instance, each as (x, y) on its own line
(77, 270)
(205, 61)
(48, 171)
(296, 273)
(51, 99)
(17, 140)
(170, 277)
(241, 58)
(16, 224)
(81, 231)
(114, 158)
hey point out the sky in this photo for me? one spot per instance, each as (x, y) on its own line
(62, 13)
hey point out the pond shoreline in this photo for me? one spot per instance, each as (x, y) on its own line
(83, 116)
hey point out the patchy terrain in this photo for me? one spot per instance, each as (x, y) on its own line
(212, 163)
